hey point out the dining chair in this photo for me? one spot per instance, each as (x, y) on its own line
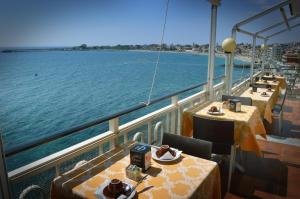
(190, 146)
(221, 134)
(277, 113)
(244, 100)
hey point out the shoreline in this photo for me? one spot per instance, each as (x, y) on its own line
(222, 55)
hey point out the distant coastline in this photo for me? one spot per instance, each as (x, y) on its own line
(188, 49)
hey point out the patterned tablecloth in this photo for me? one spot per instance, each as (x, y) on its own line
(190, 177)
(247, 124)
(265, 104)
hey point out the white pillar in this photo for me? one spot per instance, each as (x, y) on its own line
(253, 58)
(231, 62)
(264, 56)
(212, 46)
(228, 73)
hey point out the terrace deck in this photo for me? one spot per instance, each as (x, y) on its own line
(278, 175)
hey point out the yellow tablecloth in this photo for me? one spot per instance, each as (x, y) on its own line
(281, 79)
(190, 177)
(247, 124)
(265, 104)
(274, 85)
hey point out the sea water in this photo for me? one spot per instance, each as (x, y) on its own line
(42, 93)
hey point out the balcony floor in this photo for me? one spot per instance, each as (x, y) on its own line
(277, 174)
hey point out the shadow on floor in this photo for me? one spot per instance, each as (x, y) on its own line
(264, 174)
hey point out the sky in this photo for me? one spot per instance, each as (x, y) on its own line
(47, 23)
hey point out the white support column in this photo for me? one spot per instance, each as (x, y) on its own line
(231, 62)
(252, 58)
(264, 56)
(228, 73)
(212, 46)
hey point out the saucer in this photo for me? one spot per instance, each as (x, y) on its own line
(127, 194)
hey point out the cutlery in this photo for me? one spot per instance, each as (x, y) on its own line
(137, 184)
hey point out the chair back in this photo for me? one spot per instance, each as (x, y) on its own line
(260, 85)
(244, 100)
(220, 133)
(190, 146)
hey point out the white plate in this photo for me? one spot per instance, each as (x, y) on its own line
(216, 113)
(154, 156)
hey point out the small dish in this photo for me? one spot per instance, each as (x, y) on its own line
(215, 112)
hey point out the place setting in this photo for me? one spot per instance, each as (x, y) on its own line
(214, 110)
(264, 94)
(138, 170)
(165, 153)
(116, 188)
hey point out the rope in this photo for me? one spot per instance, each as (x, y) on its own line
(159, 52)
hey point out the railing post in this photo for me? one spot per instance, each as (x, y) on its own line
(168, 122)
(179, 120)
(205, 88)
(149, 132)
(114, 128)
(174, 100)
(5, 188)
(57, 170)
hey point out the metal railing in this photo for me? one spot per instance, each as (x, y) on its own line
(172, 123)
(165, 119)
(32, 144)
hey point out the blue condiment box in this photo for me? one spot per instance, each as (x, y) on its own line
(140, 155)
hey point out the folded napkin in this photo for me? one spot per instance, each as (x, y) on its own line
(167, 156)
(99, 192)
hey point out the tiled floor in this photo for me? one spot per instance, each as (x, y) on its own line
(287, 151)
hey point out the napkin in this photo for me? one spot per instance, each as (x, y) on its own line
(167, 156)
(99, 192)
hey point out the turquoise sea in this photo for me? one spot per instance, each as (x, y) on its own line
(42, 93)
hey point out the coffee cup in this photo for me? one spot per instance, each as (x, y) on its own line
(115, 186)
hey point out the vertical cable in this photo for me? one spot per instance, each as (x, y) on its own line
(159, 52)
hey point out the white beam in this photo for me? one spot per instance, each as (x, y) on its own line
(285, 18)
(276, 25)
(282, 31)
(249, 33)
(263, 13)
